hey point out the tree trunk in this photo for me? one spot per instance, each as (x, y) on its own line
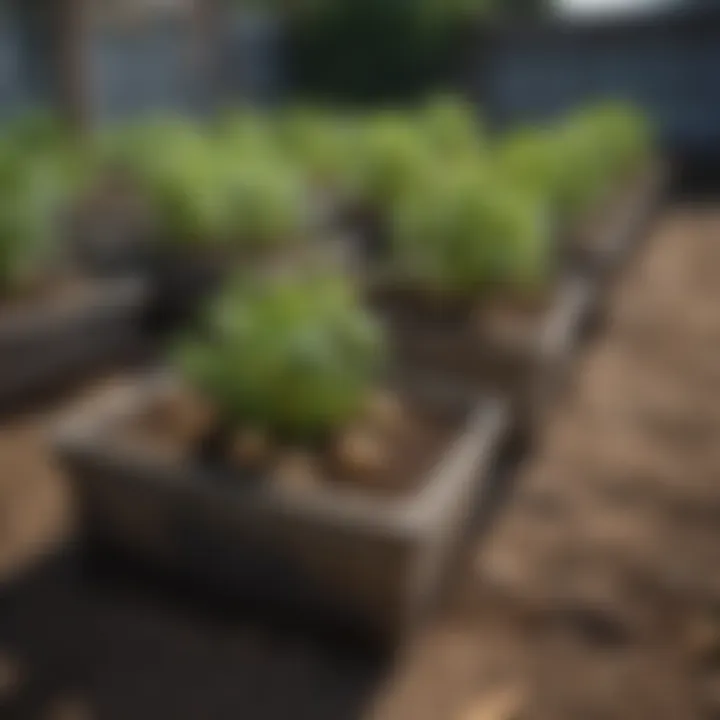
(74, 86)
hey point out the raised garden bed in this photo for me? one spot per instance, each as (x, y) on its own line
(378, 558)
(604, 243)
(47, 339)
(520, 350)
(518, 340)
(57, 320)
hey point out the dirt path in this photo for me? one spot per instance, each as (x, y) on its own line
(598, 594)
(35, 512)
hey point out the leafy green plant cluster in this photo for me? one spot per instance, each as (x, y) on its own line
(487, 217)
(249, 179)
(390, 157)
(229, 187)
(575, 163)
(294, 357)
(41, 171)
(321, 142)
(374, 158)
(467, 230)
(170, 163)
(615, 140)
(452, 128)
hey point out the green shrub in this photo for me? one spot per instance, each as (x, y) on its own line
(266, 202)
(44, 170)
(35, 134)
(529, 160)
(30, 207)
(451, 128)
(389, 158)
(618, 138)
(228, 187)
(576, 163)
(465, 231)
(294, 357)
(321, 142)
(247, 131)
(173, 166)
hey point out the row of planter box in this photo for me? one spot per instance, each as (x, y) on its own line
(382, 562)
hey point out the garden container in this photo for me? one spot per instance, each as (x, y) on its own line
(520, 350)
(44, 342)
(378, 560)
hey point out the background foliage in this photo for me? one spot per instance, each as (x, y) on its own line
(365, 51)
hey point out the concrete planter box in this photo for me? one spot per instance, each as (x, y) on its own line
(378, 561)
(44, 345)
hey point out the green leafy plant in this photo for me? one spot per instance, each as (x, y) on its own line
(390, 157)
(30, 205)
(229, 187)
(266, 202)
(37, 133)
(551, 165)
(576, 163)
(174, 167)
(290, 356)
(451, 128)
(44, 170)
(529, 159)
(618, 138)
(247, 132)
(466, 231)
(321, 142)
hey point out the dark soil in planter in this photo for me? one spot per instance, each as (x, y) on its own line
(388, 454)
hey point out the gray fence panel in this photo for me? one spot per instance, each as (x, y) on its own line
(26, 73)
(153, 69)
(250, 66)
(140, 70)
(144, 68)
(670, 70)
(12, 87)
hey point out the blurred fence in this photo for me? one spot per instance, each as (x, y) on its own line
(520, 74)
(155, 64)
(26, 54)
(13, 86)
(668, 64)
(164, 66)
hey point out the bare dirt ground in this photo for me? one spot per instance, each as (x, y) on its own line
(597, 594)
